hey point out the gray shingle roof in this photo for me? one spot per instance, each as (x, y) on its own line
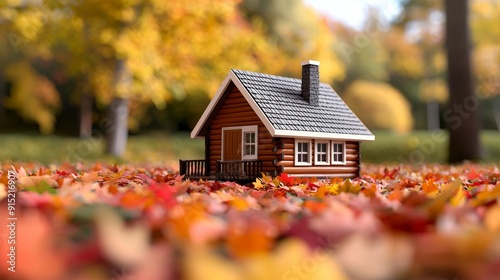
(280, 100)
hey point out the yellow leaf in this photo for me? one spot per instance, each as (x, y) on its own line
(350, 188)
(239, 204)
(123, 244)
(459, 198)
(447, 192)
(266, 179)
(3, 191)
(487, 196)
(200, 263)
(390, 256)
(276, 182)
(292, 259)
(258, 184)
(492, 219)
(333, 189)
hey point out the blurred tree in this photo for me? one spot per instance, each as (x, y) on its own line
(379, 106)
(485, 24)
(422, 23)
(299, 34)
(33, 96)
(362, 52)
(139, 52)
(463, 120)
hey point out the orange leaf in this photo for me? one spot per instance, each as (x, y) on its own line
(428, 187)
(321, 192)
(370, 192)
(396, 194)
(247, 237)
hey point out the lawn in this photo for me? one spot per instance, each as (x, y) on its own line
(413, 148)
(421, 146)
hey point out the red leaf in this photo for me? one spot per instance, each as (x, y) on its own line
(285, 179)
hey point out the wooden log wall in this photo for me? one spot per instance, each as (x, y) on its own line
(236, 111)
(286, 146)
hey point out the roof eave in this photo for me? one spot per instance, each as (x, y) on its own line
(322, 135)
(195, 133)
(231, 77)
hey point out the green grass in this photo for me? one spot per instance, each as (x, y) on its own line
(421, 146)
(153, 148)
(416, 147)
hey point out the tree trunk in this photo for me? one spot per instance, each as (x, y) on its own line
(117, 123)
(2, 99)
(85, 115)
(495, 103)
(463, 106)
(432, 115)
(117, 129)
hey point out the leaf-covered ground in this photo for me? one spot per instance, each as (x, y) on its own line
(129, 222)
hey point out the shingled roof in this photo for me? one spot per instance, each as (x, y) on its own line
(279, 103)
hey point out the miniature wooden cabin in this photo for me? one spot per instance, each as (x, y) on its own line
(264, 123)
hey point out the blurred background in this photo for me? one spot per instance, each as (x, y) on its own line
(69, 68)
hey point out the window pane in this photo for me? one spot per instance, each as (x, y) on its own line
(341, 148)
(341, 157)
(252, 149)
(323, 157)
(252, 137)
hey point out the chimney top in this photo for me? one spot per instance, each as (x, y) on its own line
(310, 82)
(310, 62)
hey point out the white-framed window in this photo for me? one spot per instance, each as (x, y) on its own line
(250, 142)
(338, 152)
(322, 152)
(249, 145)
(303, 150)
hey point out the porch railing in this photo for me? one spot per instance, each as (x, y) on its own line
(238, 170)
(193, 168)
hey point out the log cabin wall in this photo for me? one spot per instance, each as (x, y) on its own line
(287, 163)
(235, 111)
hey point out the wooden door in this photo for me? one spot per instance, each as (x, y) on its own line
(232, 144)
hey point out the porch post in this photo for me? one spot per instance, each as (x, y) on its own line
(217, 170)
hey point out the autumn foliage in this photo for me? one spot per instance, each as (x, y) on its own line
(101, 222)
(379, 106)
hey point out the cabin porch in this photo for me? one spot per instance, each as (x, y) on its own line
(234, 170)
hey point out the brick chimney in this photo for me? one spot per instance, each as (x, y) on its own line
(310, 81)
